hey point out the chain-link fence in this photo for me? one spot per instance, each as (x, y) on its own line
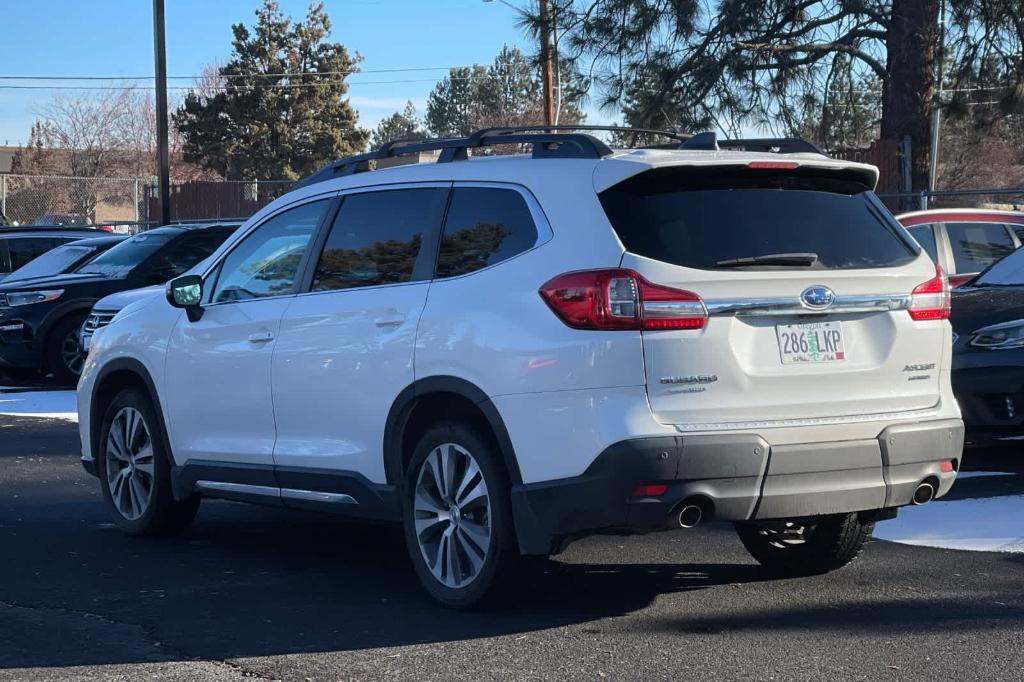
(65, 200)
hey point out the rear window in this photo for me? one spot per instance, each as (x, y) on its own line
(706, 219)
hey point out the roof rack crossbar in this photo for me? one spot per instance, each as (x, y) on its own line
(547, 141)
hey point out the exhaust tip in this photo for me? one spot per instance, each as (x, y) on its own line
(924, 494)
(690, 515)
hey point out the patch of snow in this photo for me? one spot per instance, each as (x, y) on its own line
(980, 474)
(991, 524)
(45, 404)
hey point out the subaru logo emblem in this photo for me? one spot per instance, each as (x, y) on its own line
(817, 297)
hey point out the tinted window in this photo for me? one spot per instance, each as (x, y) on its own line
(1008, 271)
(978, 245)
(123, 258)
(377, 236)
(925, 236)
(54, 261)
(26, 249)
(184, 253)
(702, 220)
(267, 261)
(484, 226)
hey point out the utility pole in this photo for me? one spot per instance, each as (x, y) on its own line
(545, 63)
(162, 155)
(933, 155)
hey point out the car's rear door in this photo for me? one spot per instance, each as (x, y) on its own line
(821, 332)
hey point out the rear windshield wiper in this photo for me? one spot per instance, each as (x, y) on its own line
(800, 259)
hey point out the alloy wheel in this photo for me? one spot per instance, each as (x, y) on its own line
(787, 535)
(452, 514)
(71, 353)
(130, 463)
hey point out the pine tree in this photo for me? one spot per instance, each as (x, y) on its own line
(401, 125)
(282, 112)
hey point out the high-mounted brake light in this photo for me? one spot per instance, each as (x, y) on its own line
(621, 299)
(773, 165)
(931, 300)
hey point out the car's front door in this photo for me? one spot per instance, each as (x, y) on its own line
(345, 349)
(218, 367)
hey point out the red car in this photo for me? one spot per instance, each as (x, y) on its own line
(965, 241)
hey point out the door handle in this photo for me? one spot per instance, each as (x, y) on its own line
(261, 337)
(384, 322)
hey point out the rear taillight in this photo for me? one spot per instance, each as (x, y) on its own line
(621, 299)
(931, 300)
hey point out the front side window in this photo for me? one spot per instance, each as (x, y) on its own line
(25, 250)
(978, 245)
(377, 237)
(266, 263)
(185, 252)
(485, 225)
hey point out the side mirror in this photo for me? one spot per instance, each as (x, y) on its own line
(187, 292)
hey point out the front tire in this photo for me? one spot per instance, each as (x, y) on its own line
(458, 517)
(64, 355)
(134, 469)
(802, 548)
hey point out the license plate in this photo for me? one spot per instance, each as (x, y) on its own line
(813, 342)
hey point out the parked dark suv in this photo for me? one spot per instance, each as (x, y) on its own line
(40, 318)
(19, 245)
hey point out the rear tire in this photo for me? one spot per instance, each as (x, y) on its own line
(796, 549)
(64, 355)
(135, 472)
(458, 518)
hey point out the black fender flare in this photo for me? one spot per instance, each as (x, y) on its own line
(58, 315)
(402, 408)
(96, 410)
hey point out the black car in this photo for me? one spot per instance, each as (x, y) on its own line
(988, 351)
(19, 245)
(64, 258)
(40, 318)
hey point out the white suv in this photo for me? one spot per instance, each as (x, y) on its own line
(508, 353)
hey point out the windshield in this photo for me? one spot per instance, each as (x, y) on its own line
(122, 259)
(732, 219)
(1007, 272)
(53, 262)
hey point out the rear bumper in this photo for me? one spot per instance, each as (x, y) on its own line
(736, 477)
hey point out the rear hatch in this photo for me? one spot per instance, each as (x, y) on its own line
(806, 279)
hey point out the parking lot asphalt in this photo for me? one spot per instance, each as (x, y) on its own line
(263, 593)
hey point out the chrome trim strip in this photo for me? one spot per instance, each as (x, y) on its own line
(812, 421)
(270, 491)
(242, 488)
(673, 308)
(794, 306)
(316, 496)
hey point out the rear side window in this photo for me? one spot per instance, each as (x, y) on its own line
(925, 236)
(978, 245)
(377, 237)
(705, 220)
(485, 226)
(29, 248)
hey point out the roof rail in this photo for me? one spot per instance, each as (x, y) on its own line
(779, 145)
(549, 142)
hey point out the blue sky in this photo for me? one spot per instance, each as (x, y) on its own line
(114, 38)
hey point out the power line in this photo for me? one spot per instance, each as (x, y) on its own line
(282, 74)
(279, 86)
